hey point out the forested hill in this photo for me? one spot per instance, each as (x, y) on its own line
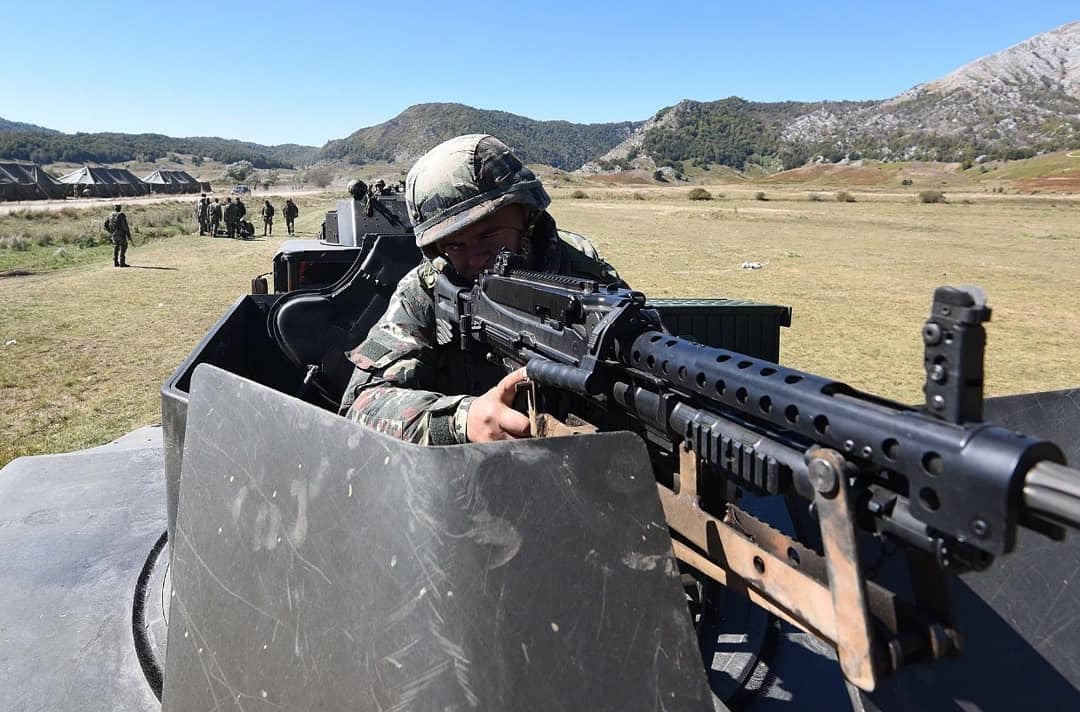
(1015, 103)
(732, 132)
(6, 125)
(412, 132)
(43, 146)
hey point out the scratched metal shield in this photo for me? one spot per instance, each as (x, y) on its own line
(320, 565)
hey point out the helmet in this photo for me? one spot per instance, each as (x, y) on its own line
(357, 189)
(463, 180)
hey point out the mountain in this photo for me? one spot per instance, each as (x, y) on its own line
(412, 132)
(1012, 104)
(6, 125)
(53, 146)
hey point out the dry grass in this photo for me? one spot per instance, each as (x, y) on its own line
(860, 276)
(94, 343)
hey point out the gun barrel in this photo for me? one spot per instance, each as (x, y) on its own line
(1053, 490)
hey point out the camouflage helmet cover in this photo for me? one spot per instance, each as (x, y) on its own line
(463, 180)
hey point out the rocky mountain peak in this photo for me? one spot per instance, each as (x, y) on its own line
(1050, 60)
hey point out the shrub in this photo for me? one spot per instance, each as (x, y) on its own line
(760, 195)
(699, 194)
(931, 196)
(845, 197)
(639, 196)
(906, 181)
(17, 243)
(579, 195)
(44, 239)
(815, 197)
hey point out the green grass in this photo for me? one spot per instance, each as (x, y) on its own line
(84, 347)
(1030, 168)
(38, 240)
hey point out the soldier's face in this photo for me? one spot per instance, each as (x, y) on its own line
(472, 249)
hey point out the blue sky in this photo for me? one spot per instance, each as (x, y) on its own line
(308, 72)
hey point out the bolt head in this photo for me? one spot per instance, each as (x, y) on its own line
(823, 477)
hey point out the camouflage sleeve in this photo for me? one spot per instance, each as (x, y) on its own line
(391, 386)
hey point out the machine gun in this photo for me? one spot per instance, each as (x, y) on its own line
(937, 483)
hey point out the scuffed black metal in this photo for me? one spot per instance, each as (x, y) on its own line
(1020, 619)
(239, 343)
(320, 565)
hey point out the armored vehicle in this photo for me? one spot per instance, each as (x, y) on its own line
(258, 551)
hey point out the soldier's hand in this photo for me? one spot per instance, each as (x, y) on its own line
(491, 417)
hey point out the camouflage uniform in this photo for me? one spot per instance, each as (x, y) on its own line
(290, 211)
(215, 217)
(230, 218)
(202, 213)
(268, 218)
(401, 372)
(120, 233)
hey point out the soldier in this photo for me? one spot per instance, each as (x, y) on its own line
(215, 217)
(117, 225)
(467, 198)
(290, 211)
(268, 218)
(202, 212)
(230, 218)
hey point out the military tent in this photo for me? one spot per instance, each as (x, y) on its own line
(102, 182)
(28, 181)
(166, 181)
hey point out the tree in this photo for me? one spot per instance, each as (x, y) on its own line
(319, 175)
(267, 179)
(238, 172)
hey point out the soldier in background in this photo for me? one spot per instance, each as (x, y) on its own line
(268, 218)
(215, 217)
(290, 211)
(230, 218)
(120, 232)
(202, 212)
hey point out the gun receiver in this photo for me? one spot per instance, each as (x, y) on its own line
(946, 487)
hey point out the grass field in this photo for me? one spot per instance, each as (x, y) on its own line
(85, 347)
